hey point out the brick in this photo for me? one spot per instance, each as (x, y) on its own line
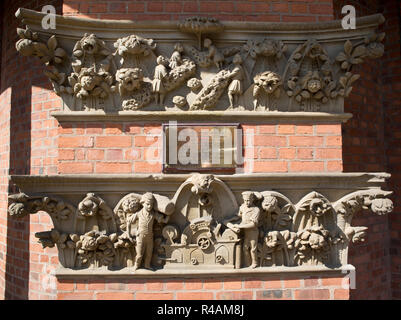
(114, 128)
(304, 129)
(154, 296)
(276, 294)
(334, 166)
(114, 296)
(312, 294)
(252, 284)
(155, 6)
(196, 295)
(113, 167)
(145, 167)
(307, 166)
(75, 296)
(212, 284)
(113, 142)
(341, 294)
(96, 286)
(299, 8)
(145, 141)
(193, 284)
(329, 153)
(66, 154)
(333, 141)
(313, 282)
(234, 295)
(273, 284)
(66, 286)
(306, 141)
(174, 285)
(75, 167)
(232, 284)
(114, 154)
(327, 282)
(296, 283)
(154, 285)
(305, 153)
(267, 129)
(286, 129)
(95, 154)
(270, 141)
(268, 153)
(270, 166)
(75, 142)
(287, 153)
(334, 129)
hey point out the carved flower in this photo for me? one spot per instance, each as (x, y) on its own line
(272, 239)
(194, 84)
(134, 44)
(179, 101)
(319, 207)
(382, 206)
(88, 242)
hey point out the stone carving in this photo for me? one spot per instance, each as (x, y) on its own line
(132, 72)
(134, 91)
(266, 83)
(202, 226)
(200, 25)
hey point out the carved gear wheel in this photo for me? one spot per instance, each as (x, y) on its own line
(203, 243)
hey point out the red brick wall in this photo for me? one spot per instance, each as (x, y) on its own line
(261, 288)
(370, 143)
(40, 146)
(136, 148)
(281, 10)
(23, 89)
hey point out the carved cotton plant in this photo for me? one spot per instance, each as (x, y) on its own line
(354, 54)
(134, 45)
(22, 205)
(95, 249)
(48, 53)
(94, 212)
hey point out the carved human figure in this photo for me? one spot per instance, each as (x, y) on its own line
(235, 87)
(250, 215)
(144, 239)
(157, 83)
(216, 55)
(176, 59)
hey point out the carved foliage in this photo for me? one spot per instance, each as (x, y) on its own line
(203, 226)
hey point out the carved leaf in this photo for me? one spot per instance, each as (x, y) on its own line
(357, 61)
(359, 51)
(52, 43)
(353, 78)
(341, 57)
(348, 47)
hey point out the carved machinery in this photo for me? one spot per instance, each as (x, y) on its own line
(200, 222)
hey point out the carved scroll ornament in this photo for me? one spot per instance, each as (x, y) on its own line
(202, 226)
(252, 71)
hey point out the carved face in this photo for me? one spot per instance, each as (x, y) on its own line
(148, 205)
(89, 82)
(268, 49)
(269, 203)
(269, 81)
(88, 208)
(89, 44)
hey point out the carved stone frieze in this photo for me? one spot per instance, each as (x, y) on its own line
(203, 223)
(236, 67)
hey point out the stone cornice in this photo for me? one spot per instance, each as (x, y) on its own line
(161, 70)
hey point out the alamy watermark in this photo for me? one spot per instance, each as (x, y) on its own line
(349, 20)
(49, 20)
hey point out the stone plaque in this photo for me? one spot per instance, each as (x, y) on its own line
(207, 147)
